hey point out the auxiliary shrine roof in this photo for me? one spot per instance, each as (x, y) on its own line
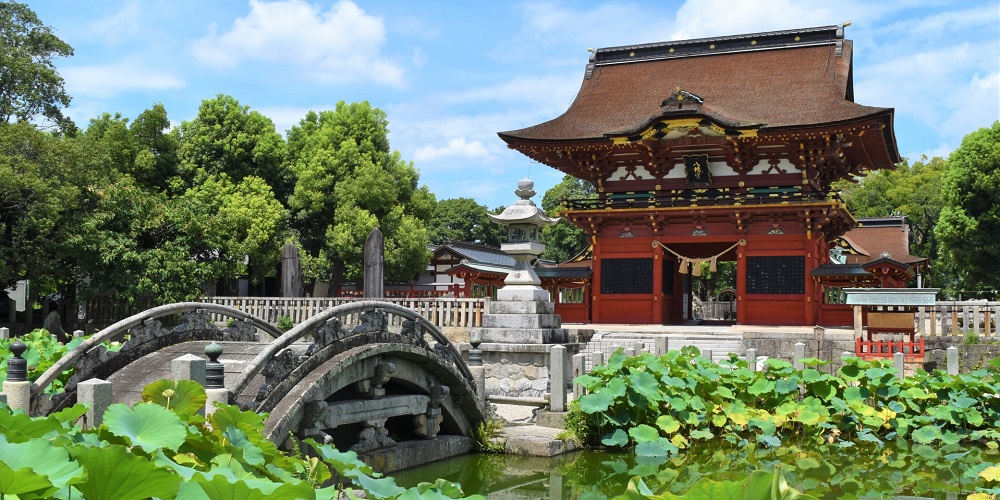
(776, 80)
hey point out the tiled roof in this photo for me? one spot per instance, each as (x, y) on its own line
(768, 80)
(881, 238)
(479, 253)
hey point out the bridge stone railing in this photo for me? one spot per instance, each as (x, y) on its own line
(442, 312)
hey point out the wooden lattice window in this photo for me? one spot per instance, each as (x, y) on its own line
(626, 276)
(776, 275)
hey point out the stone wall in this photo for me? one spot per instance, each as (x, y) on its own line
(520, 370)
(970, 356)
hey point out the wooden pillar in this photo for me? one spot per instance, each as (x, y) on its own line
(657, 287)
(596, 287)
(741, 284)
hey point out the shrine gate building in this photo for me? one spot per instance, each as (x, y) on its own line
(708, 150)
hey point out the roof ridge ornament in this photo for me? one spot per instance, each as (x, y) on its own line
(681, 97)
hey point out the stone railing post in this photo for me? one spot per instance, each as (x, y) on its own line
(660, 346)
(752, 359)
(77, 334)
(4, 333)
(16, 387)
(188, 367)
(97, 394)
(899, 362)
(799, 353)
(215, 379)
(639, 346)
(579, 363)
(629, 352)
(708, 354)
(596, 359)
(952, 355)
(557, 379)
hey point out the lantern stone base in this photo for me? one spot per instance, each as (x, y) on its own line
(522, 293)
(521, 322)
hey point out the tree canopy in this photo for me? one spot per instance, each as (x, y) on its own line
(30, 86)
(463, 219)
(564, 241)
(348, 181)
(969, 227)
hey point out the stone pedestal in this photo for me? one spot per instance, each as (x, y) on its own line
(521, 322)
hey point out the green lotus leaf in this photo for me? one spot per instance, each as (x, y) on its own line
(19, 427)
(71, 414)
(645, 384)
(38, 455)
(963, 402)
(250, 453)
(725, 392)
(616, 438)
(850, 372)
(701, 434)
(183, 396)
(22, 480)
(855, 393)
(643, 433)
(897, 407)
(588, 382)
(218, 485)
(668, 424)
(656, 448)
(719, 420)
(146, 425)
(926, 434)
(596, 402)
(113, 473)
(761, 386)
(808, 417)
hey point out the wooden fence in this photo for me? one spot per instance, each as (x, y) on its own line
(442, 312)
(978, 318)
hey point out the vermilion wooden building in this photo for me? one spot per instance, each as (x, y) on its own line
(718, 148)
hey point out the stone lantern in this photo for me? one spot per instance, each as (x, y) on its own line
(524, 223)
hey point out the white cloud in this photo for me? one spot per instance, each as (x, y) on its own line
(107, 80)
(456, 147)
(340, 45)
(123, 25)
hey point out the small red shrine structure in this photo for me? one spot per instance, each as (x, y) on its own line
(714, 149)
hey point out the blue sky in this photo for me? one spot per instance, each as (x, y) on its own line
(450, 75)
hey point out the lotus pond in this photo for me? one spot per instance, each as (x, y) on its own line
(678, 424)
(823, 472)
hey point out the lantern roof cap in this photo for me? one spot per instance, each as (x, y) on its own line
(524, 211)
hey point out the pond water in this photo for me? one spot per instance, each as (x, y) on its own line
(827, 472)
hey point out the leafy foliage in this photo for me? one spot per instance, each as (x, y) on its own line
(43, 350)
(462, 219)
(677, 407)
(151, 451)
(30, 86)
(564, 241)
(970, 218)
(349, 182)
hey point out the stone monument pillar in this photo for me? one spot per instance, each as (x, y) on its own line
(374, 265)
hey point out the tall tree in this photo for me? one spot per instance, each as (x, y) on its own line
(462, 219)
(969, 227)
(40, 187)
(564, 241)
(227, 138)
(143, 149)
(348, 183)
(30, 86)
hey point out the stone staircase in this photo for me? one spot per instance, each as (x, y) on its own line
(609, 341)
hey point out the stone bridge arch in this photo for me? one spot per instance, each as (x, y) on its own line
(147, 335)
(373, 374)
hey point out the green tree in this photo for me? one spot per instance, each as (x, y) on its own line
(348, 183)
(563, 241)
(462, 219)
(40, 189)
(969, 228)
(30, 86)
(227, 138)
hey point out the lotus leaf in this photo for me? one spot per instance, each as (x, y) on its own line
(668, 424)
(146, 425)
(113, 473)
(596, 402)
(643, 433)
(616, 438)
(183, 396)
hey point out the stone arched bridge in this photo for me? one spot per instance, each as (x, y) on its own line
(365, 375)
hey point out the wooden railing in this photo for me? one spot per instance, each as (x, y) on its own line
(442, 312)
